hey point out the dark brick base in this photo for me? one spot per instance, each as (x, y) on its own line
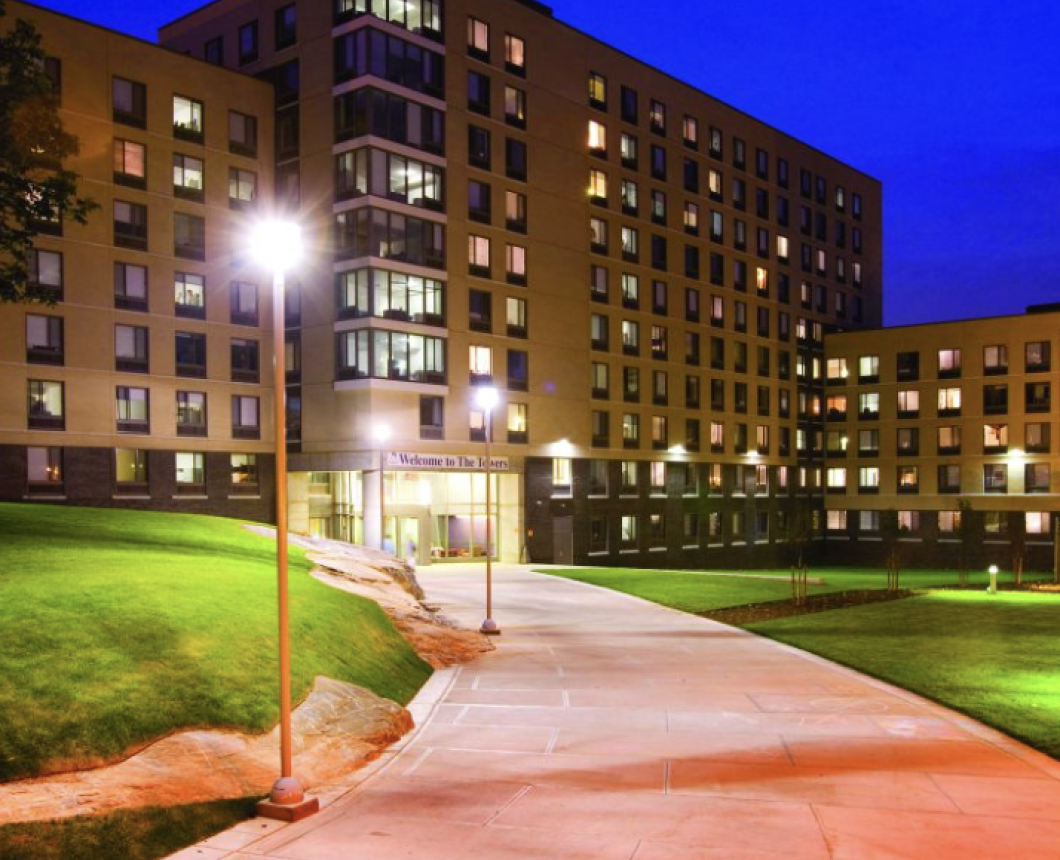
(89, 480)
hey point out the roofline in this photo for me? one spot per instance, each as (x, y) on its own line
(703, 92)
(961, 321)
(534, 7)
(156, 45)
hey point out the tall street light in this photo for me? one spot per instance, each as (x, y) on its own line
(277, 245)
(381, 433)
(486, 398)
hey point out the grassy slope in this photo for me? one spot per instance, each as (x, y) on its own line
(996, 657)
(691, 592)
(137, 834)
(117, 627)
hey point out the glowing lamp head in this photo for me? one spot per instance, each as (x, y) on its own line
(486, 398)
(992, 569)
(277, 245)
(381, 433)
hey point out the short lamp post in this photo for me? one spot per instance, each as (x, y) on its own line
(381, 434)
(486, 398)
(992, 570)
(277, 246)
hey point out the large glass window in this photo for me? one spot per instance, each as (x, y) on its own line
(423, 16)
(191, 413)
(392, 355)
(369, 111)
(389, 235)
(393, 295)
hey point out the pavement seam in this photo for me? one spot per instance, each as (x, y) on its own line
(824, 833)
(1009, 745)
(522, 792)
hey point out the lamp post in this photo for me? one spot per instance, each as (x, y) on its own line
(487, 401)
(381, 432)
(277, 246)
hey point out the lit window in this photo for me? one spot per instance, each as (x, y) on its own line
(949, 400)
(598, 186)
(478, 249)
(836, 478)
(836, 521)
(868, 367)
(597, 90)
(690, 130)
(514, 53)
(478, 38)
(836, 369)
(480, 362)
(562, 471)
(597, 138)
(949, 362)
(187, 118)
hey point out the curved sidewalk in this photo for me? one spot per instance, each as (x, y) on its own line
(605, 727)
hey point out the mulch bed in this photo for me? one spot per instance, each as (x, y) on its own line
(740, 616)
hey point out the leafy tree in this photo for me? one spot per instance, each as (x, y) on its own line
(799, 534)
(34, 187)
(891, 532)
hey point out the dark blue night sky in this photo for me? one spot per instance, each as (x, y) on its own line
(954, 106)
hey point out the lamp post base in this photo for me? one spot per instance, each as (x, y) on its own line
(287, 802)
(490, 628)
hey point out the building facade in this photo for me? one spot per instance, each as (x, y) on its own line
(645, 273)
(146, 383)
(921, 419)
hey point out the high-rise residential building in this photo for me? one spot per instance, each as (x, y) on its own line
(492, 198)
(921, 419)
(645, 273)
(146, 382)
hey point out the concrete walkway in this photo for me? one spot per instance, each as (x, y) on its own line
(605, 728)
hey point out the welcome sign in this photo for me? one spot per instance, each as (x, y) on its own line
(405, 460)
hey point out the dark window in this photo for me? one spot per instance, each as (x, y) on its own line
(629, 105)
(189, 236)
(515, 159)
(248, 43)
(518, 370)
(130, 225)
(245, 366)
(287, 83)
(479, 201)
(129, 100)
(480, 311)
(478, 93)
(191, 354)
(478, 147)
(286, 26)
(214, 51)
(432, 417)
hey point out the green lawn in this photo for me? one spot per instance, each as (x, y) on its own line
(691, 591)
(136, 834)
(994, 657)
(118, 627)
